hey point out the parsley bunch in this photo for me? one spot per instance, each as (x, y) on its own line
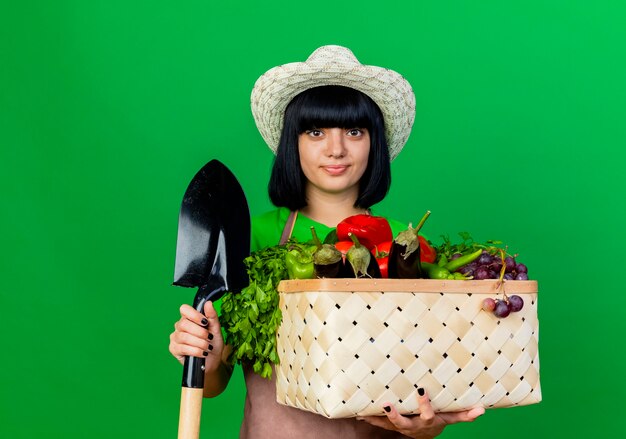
(251, 318)
(447, 249)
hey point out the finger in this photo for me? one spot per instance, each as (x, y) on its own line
(191, 314)
(179, 350)
(465, 416)
(182, 351)
(378, 421)
(209, 310)
(426, 409)
(396, 419)
(213, 325)
(187, 339)
(189, 327)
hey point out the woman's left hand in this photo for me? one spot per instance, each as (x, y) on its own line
(426, 425)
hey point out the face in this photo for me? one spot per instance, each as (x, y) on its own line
(334, 159)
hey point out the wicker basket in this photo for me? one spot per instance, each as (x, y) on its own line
(347, 346)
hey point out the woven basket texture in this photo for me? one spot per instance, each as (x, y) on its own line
(346, 348)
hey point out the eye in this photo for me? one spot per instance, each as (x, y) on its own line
(355, 132)
(314, 133)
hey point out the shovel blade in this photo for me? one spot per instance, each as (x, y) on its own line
(213, 232)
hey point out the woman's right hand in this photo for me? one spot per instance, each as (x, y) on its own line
(198, 335)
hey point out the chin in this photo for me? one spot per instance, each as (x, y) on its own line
(338, 189)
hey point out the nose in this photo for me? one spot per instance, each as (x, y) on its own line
(335, 143)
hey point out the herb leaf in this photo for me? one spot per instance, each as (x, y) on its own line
(467, 245)
(251, 318)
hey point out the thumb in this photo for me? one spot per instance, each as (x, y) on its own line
(213, 325)
(209, 310)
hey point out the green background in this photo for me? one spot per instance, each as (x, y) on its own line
(108, 108)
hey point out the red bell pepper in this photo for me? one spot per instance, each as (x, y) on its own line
(427, 251)
(381, 253)
(343, 247)
(369, 229)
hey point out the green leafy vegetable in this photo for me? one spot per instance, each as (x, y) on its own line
(251, 318)
(467, 245)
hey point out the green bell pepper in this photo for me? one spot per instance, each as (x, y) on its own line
(299, 263)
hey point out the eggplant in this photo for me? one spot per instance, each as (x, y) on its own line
(404, 255)
(332, 270)
(327, 260)
(404, 261)
(360, 262)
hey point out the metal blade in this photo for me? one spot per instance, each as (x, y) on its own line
(213, 232)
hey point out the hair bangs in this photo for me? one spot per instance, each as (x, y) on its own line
(333, 106)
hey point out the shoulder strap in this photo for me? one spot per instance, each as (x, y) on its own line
(288, 229)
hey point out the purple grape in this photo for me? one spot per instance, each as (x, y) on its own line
(489, 304)
(466, 270)
(485, 258)
(481, 273)
(455, 256)
(510, 264)
(521, 268)
(516, 303)
(496, 264)
(493, 274)
(472, 266)
(502, 309)
(509, 276)
(521, 276)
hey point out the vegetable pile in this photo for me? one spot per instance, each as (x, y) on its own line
(362, 246)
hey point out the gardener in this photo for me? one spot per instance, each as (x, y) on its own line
(334, 125)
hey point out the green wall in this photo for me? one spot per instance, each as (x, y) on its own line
(108, 108)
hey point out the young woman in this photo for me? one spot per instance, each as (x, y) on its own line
(335, 125)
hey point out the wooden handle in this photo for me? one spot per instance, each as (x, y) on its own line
(190, 409)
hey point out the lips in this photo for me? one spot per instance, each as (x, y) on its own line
(335, 169)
